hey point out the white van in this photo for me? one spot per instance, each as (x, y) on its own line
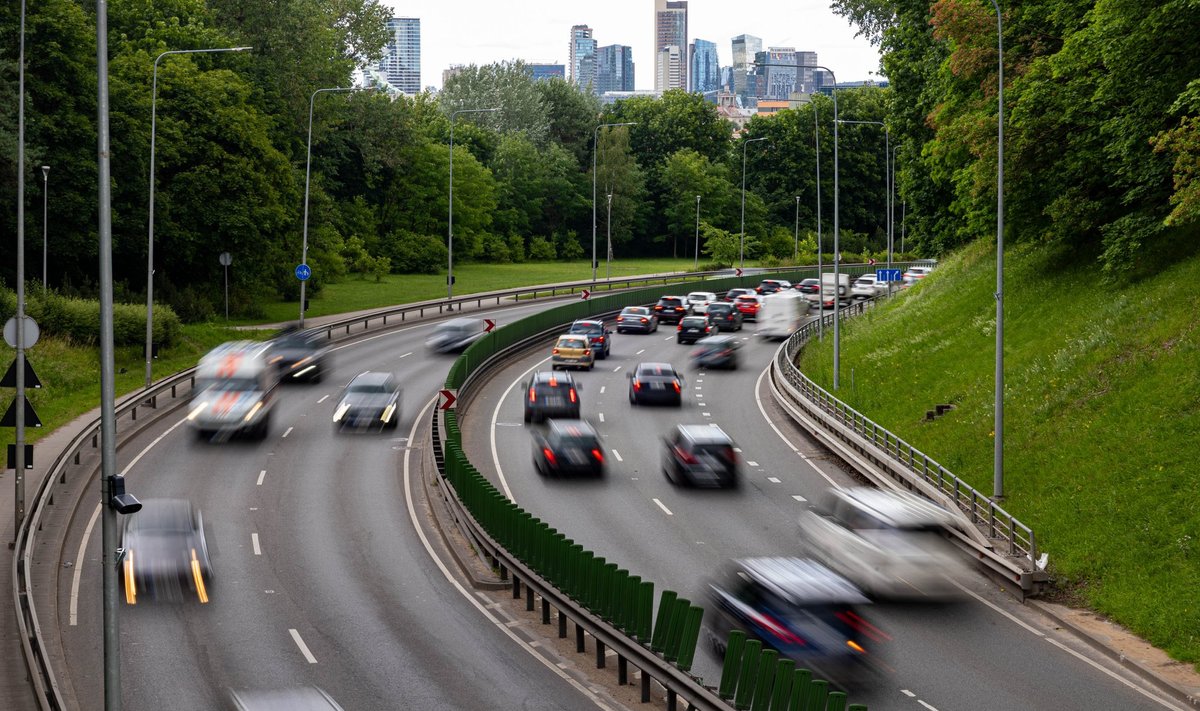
(235, 391)
(781, 314)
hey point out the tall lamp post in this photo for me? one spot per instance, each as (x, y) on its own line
(820, 262)
(796, 237)
(307, 175)
(45, 214)
(595, 140)
(696, 266)
(998, 453)
(742, 243)
(608, 246)
(450, 225)
(150, 239)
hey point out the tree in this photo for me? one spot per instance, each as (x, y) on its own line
(617, 172)
(507, 86)
(573, 114)
(687, 174)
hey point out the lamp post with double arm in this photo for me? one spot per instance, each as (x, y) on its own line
(998, 446)
(742, 240)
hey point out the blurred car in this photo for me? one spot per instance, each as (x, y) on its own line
(891, 544)
(737, 291)
(568, 447)
(234, 391)
(748, 304)
(799, 608)
(300, 355)
(808, 286)
(372, 399)
(700, 455)
(724, 316)
(698, 301)
(915, 274)
(692, 329)
(671, 308)
(637, 319)
(597, 333)
(307, 698)
(551, 395)
(455, 335)
(165, 552)
(716, 352)
(770, 286)
(572, 351)
(868, 286)
(655, 382)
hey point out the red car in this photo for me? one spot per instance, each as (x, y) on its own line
(749, 306)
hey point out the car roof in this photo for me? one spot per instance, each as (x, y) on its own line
(716, 340)
(670, 296)
(372, 377)
(665, 368)
(799, 580)
(580, 337)
(705, 434)
(701, 293)
(553, 377)
(899, 509)
(636, 309)
(587, 322)
(572, 428)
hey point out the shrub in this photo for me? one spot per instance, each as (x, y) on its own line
(516, 248)
(568, 246)
(495, 249)
(411, 253)
(541, 249)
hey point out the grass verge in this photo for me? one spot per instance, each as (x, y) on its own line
(1101, 416)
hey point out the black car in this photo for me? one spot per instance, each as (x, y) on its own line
(165, 552)
(800, 608)
(809, 286)
(770, 286)
(655, 383)
(671, 308)
(372, 399)
(551, 394)
(724, 316)
(568, 447)
(732, 294)
(692, 329)
(455, 335)
(716, 352)
(598, 336)
(300, 355)
(700, 455)
(637, 319)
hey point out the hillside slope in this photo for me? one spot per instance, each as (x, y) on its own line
(1102, 417)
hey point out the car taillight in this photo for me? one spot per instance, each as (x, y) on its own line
(600, 339)
(679, 327)
(598, 455)
(587, 351)
(728, 451)
(572, 394)
(676, 384)
(777, 629)
(679, 308)
(645, 320)
(555, 351)
(861, 626)
(622, 318)
(532, 395)
(637, 385)
(687, 457)
(549, 455)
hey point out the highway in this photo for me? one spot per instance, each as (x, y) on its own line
(322, 578)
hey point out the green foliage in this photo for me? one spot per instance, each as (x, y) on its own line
(541, 249)
(724, 247)
(516, 248)
(411, 253)
(495, 249)
(508, 86)
(78, 320)
(567, 246)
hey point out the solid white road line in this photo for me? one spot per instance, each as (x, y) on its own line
(483, 609)
(323, 398)
(617, 369)
(254, 542)
(617, 455)
(788, 442)
(287, 432)
(303, 647)
(663, 507)
(261, 475)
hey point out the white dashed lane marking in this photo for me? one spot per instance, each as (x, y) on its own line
(254, 542)
(617, 455)
(323, 399)
(261, 476)
(288, 432)
(663, 507)
(303, 647)
(753, 464)
(801, 499)
(773, 480)
(602, 417)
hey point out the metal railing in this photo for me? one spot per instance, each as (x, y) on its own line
(1005, 535)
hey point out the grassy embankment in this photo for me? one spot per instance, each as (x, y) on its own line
(70, 372)
(1102, 417)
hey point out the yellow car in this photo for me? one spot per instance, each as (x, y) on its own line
(572, 351)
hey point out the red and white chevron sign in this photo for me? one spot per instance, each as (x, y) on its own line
(583, 294)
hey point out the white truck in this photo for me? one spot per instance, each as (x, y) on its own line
(781, 314)
(824, 300)
(235, 391)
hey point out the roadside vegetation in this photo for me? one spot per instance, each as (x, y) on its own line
(1101, 417)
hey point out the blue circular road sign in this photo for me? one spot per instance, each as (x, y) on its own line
(303, 272)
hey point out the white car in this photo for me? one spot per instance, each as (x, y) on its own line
(868, 287)
(698, 301)
(915, 274)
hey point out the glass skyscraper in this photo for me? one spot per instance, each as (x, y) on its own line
(705, 71)
(744, 49)
(582, 57)
(614, 68)
(670, 30)
(401, 63)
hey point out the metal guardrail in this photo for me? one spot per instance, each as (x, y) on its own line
(1011, 545)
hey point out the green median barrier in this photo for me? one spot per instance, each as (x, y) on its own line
(784, 677)
(675, 629)
(837, 701)
(764, 680)
(586, 560)
(801, 688)
(666, 608)
(558, 566)
(747, 674)
(645, 610)
(629, 603)
(574, 574)
(818, 695)
(732, 665)
(612, 587)
(857, 707)
(691, 634)
(595, 581)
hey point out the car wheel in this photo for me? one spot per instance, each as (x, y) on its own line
(591, 365)
(632, 398)
(527, 416)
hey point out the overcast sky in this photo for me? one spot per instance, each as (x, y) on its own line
(484, 31)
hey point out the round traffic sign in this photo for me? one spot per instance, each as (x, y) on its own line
(31, 332)
(226, 259)
(303, 272)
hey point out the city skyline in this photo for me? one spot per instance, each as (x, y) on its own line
(475, 32)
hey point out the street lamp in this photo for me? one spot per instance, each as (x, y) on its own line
(742, 245)
(696, 266)
(150, 239)
(998, 454)
(796, 238)
(820, 259)
(450, 227)
(608, 251)
(45, 229)
(595, 139)
(307, 174)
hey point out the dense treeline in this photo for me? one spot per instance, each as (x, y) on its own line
(1102, 147)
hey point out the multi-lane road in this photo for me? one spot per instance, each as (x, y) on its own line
(325, 576)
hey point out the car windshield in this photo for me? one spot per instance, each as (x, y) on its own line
(572, 343)
(670, 302)
(655, 369)
(162, 519)
(719, 308)
(582, 440)
(636, 311)
(295, 340)
(378, 387)
(694, 321)
(228, 384)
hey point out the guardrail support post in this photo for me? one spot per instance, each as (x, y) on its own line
(645, 687)
(545, 611)
(516, 587)
(599, 654)
(579, 646)
(562, 625)
(622, 671)
(528, 598)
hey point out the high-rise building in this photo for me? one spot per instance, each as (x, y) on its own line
(705, 71)
(782, 71)
(401, 63)
(670, 30)
(583, 57)
(542, 72)
(614, 68)
(744, 49)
